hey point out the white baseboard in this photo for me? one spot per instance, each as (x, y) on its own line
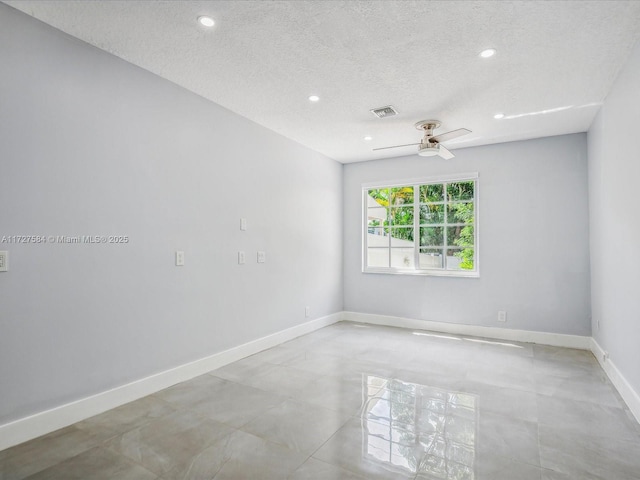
(41, 423)
(543, 338)
(626, 391)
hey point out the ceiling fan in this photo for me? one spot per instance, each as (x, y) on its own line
(430, 144)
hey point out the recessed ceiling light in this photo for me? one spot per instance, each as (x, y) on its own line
(314, 98)
(368, 138)
(206, 21)
(489, 52)
(498, 116)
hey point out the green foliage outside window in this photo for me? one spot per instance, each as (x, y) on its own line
(399, 204)
(463, 213)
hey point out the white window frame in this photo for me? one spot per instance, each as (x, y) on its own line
(475, 273)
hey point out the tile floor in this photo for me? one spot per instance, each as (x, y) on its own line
(361, 402)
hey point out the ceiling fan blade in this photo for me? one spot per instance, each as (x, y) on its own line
(444, 153)
(396, 146)
(443, 137)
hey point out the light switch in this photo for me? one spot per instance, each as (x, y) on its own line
(262, 257)
(243, 224)
(179, 258)
(4, 261)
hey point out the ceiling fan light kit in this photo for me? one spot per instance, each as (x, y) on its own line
(428, 150)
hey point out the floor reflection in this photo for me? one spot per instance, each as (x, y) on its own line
(411, 428)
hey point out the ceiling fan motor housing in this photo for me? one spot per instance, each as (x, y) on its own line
(428, 148)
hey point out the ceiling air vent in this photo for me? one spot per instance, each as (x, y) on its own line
(383, 112)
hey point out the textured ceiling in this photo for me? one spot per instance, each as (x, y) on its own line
(555, 62)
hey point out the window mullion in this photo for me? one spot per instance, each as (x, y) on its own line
(389, 224)
(444, 228)
(416, 227)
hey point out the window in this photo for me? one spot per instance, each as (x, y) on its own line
(427, 227)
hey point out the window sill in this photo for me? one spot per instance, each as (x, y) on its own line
(423, 273)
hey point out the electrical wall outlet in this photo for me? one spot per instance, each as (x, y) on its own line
(240, 258)
(243, 224)
(262, 257)
(4, 261)
(502, 316)
(179, 258)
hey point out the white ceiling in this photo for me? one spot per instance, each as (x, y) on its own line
(555, 62)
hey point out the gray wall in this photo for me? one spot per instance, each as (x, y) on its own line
(534, 250)
(92, 145)
(614, 177)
